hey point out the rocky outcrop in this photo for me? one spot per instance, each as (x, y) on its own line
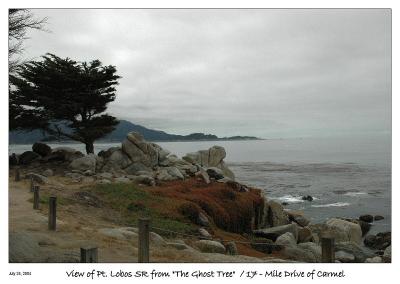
(210, 246)
(28, 157)
(344, 256)
(85, 163)
(300, 254)
(136, 160)
(274, 214)
(287, 239)
(42, 149)
(366, 218)
(360, 253)
(305, 235)
(274, 232)
(140, 151)
(66, 154)
(13, 159)
(379, 241)
(211, 158)
(136, 156)
(387, 255)
(344, 230)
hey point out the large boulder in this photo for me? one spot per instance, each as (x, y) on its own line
(85, 163)
(215, 173)
(387, 255)
(298, 217)
(274, 232)
(314, 248)
(375, 259)
(208, 246)
(367, 218)
(305, 235)
(118, 159)
(287, 239)
(300, 254)
(365, 227)
(169, 173)
(344, 256)
(28, 157)
(13, 159)
(379, 241)
(360, 253)
(143, 179)
(37, 178)
(213, 157)
(121, 233)
(344, 231)
(135, 168)
(107, 153)
(274, 214)
(216, 155)
(41, 149)
(66, 154)
(139, 150)
(226, 171)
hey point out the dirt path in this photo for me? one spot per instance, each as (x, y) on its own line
(79, 226)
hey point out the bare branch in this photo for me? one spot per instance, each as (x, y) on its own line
(19, 22)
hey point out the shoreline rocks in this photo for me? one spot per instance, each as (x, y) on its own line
(344, 230)
(135, 157)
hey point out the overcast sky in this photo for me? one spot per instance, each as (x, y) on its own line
(266, 73)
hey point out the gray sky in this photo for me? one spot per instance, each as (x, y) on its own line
(266, 73)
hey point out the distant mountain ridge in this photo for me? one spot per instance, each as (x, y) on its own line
(124, 127)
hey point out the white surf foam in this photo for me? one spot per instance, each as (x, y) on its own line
(290, 199)
(355, 193)
(337, 204)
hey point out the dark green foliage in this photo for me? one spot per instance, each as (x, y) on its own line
(56, 92)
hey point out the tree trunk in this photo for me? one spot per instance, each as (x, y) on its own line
(89, 148)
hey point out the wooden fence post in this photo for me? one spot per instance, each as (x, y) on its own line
(17, 174)
(144, 240)
(89, 255)
(36, 197)
(52, 212)
(32, 184)
(328, 249)
(231, 248)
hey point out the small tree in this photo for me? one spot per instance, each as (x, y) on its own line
(64, 98)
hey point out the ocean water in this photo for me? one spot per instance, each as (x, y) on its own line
(346, 176)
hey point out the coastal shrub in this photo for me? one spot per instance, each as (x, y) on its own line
(136, 206)
(230, 210)
(132, 202)
(190, 210)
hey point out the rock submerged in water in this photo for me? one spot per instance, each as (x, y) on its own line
(366, 218)
(307, 198)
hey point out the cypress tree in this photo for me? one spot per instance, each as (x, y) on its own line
(64, 98)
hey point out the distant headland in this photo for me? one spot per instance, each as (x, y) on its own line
(124, 126)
